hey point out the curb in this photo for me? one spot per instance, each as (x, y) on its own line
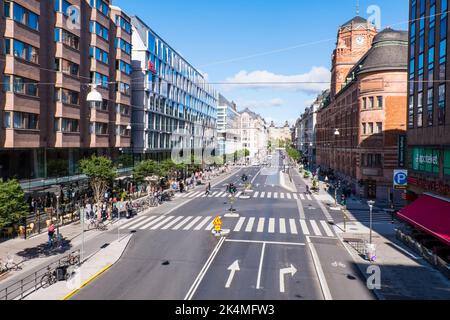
(95, 276)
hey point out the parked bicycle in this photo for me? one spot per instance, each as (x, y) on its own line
(96, 224)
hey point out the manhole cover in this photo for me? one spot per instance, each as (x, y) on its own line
(165, 263)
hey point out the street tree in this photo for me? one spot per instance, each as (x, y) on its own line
(101, 173)
(13, 207)
(144, 170)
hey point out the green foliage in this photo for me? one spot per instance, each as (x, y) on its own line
(12, 203)
(145, 169)
(101, 173)
(294, 154)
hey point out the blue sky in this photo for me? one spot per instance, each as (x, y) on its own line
(256, 40)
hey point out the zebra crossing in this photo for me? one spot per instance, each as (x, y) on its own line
(283, 226)
(254, 195)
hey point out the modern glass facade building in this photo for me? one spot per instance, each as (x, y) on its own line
(428, 134)
(228, 127)
(173, 106)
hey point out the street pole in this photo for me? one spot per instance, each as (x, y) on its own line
(371, 203)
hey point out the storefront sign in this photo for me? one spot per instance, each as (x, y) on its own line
(425, 160)
(438, 187)
(401, 151)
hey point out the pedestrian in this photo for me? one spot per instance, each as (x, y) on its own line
(51, 233)
(208, 189)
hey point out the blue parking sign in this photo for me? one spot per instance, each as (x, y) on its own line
(400, 179)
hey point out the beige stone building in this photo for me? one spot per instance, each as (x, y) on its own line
(280, 133)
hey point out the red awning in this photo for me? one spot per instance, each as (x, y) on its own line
(430, 214)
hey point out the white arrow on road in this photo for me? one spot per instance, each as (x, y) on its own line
(233, 268)
(292, 270)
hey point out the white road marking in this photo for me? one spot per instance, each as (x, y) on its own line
(261, 259)
(160, 224)
(301, 211)
(219, 194)
(256, 194)
(326, 228)
(315, 228)
(238, 194)
(282, 195)
(269, 195)
(302, 196)
(271, 225)
(304, 227)
(239, 225)
(210, 226)
(282, 226)
(205, 268)
(263, 194)
(291, 270)
(137, 225)
(250, 223)
(178, 226)
(260, 228)
(308, 197)
(267, 242)
(171, 223)
(152, 222)
(295, 196)
(192, 223)
(233, 268)
(288, 195)
(275, 195)
(322, 280)
(293, 226)
(193, 195)
(201, 224)
(124, 226)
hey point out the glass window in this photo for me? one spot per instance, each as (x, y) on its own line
(6, 83)
(23, 120)
(25, 51)
(420, 110)
(7, 119)
(370, 125)
(26, 17)
(70, 125)
(25, 86)
(379, 127)
(6, 9)
(430, 107)
(7, 46)
(380, 102)
(447, 162)
(441, 105)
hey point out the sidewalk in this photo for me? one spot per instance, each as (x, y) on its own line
(89, 271)
(32, 252)
(404, 275)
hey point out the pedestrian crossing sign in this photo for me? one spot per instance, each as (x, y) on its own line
(217, 223)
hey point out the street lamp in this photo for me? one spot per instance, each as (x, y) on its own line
(371, 203)
(94, 96)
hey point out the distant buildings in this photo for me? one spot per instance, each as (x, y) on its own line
(359, 128)
(228, 127)
(279, 133)
(254, 134)
(306, 128)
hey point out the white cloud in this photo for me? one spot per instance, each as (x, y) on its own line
(314, 81)
(276, 102)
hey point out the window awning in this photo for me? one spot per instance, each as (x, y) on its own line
(430, 214)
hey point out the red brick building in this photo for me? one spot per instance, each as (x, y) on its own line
(367, 106)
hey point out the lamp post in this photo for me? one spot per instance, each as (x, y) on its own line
(371, 204)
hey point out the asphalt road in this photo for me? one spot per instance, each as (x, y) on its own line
(280, 247)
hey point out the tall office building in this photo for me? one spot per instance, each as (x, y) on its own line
(228, 127)
(50, 52)
(173, 106)
(428, 134)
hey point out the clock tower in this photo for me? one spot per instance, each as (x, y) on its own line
(354, 39)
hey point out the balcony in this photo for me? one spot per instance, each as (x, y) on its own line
(123, 142)
(120, 55)
(67, 81)
(63, 22)
(22, 68)
(99, 42)
(122, 77)
(67, 140)
(99, 141)
(19, 138)
(123, 98)
(100, 67)
(21, 32)
(99, 17)
(99, 116)
(22, 103)
(67, 52)
(123, 119)
(67, 111)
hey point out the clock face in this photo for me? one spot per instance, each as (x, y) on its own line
(360, 40)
